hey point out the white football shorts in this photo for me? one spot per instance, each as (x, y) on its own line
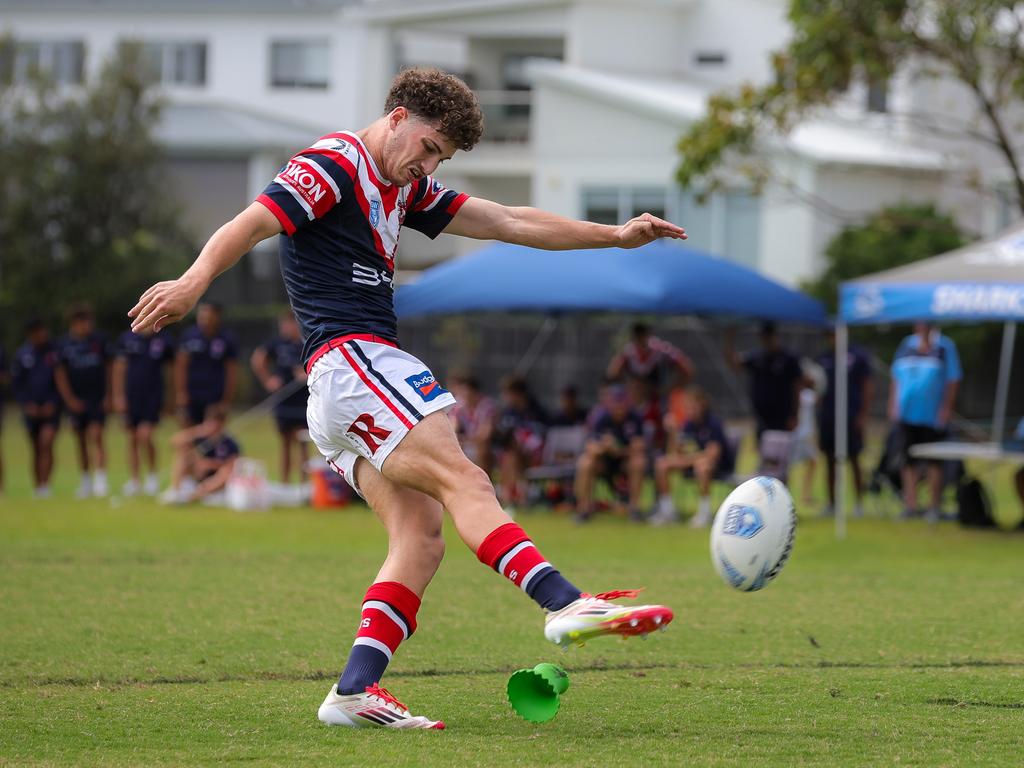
(364, 397)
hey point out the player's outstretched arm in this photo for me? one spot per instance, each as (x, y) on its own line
(487, 220)
(169, 301)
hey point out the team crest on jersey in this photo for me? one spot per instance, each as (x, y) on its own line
(374, 213)
(426, 386)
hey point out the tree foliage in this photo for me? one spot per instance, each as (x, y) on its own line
(889, 238)
(836, 42)
(86, 214)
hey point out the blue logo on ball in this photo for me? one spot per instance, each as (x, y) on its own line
(743, 521)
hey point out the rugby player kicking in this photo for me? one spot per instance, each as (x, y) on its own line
(376, 413)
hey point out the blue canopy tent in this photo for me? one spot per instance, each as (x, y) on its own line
(983, 281)
(661, 277)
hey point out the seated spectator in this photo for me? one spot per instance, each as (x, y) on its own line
(473, 419)
(701, 451)
(570, 413)
(518, 438)
(204, 457)
(615, 451)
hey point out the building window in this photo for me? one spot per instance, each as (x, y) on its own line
(299, 64)
(176, 63)
(877, 96)
(62, 60)
(711, 58)
(725, 223)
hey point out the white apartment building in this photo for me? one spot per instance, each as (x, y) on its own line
(584, 99)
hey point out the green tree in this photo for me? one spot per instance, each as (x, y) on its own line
(889, 238)
(978, 43)
(86, 213)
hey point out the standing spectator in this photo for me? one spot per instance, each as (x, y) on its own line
(278, 365)
(138, 384)
(83, 379)
(473, 417)
(646, 357)
(616, 450)
(570, 413)
(700, 450)
(518, 437)
(3, 395)
(860, 391)
(775, 377)
(206, 366)
(926, 374)
(35, 389)
(805, 446)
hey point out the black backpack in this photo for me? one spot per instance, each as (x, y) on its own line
(974, 503)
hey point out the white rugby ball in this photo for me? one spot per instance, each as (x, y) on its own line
(753, 532)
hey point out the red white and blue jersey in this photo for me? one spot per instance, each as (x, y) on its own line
(342, 220)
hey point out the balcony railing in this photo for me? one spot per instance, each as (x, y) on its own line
(506, 115)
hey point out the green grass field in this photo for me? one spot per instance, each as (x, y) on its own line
(133, 634)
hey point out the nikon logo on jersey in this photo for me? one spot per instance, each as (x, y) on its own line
(426, 386)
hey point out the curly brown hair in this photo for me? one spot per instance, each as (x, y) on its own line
(441, 99)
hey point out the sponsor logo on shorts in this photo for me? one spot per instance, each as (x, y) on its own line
(366, 430)
(426, 386)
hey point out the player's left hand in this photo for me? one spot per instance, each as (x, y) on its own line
(646, 228)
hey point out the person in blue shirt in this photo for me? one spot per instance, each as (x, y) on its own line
(206, 366)
(82, 379)
(926, 374)
(139, 371)
(35, 389)
(860, 391)
(699, 449)
(278, 366)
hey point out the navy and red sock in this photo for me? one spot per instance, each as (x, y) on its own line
(388, 618)
(508, 550)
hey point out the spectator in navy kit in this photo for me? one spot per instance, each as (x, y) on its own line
(138, 383)
(278, 366)
(775, 377)
(35, 389)
(206, 366)
(616, 451)
(860, 390)
(82, 379)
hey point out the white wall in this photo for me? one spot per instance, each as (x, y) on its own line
(238, 54)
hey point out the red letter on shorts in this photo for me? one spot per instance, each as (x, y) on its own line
(364, 428)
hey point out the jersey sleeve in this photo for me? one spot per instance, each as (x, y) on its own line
(311, 183)
(432, 206)
(230, 346)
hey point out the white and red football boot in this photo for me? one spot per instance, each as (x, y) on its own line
(375, 708)
(594, 615)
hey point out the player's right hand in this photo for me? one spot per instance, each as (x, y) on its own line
(164, 303)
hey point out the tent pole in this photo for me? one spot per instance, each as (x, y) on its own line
(1003, 382)
(533, 351)
(841, 399)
